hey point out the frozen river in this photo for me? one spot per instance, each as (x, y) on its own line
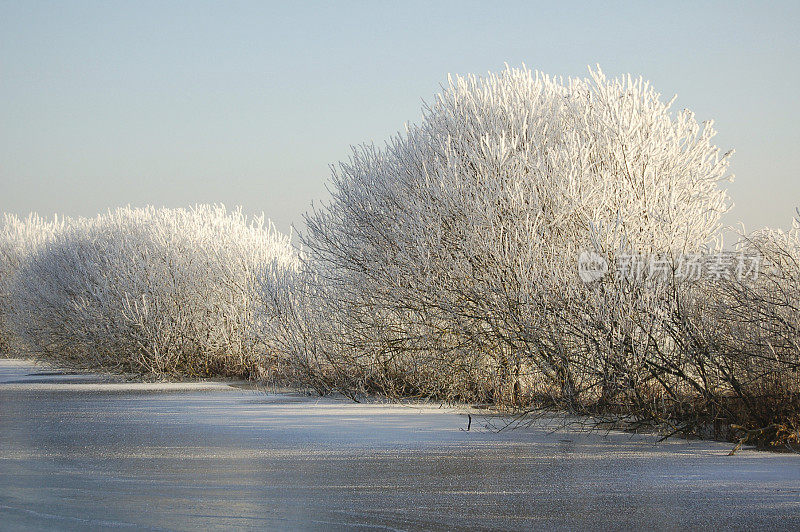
(80, 451)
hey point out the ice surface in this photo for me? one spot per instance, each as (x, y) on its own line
(77, 455)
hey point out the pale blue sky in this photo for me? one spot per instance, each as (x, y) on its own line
(172, 103)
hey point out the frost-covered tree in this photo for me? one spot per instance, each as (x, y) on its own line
(758, 316)
(166, 291)
(451, 252)
(19, 239)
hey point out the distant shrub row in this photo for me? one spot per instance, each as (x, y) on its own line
(445, 265)
(161, 291)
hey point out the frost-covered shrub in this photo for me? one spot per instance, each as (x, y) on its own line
(293, 325)
(166, 291)
(451, 252)
(764, 312)
(19, 238)
(756, 340)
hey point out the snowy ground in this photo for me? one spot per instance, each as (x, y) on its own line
(80, 451)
